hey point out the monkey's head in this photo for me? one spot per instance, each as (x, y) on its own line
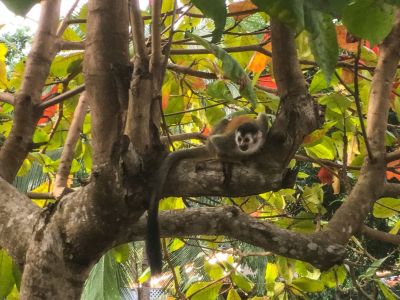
(249, 138)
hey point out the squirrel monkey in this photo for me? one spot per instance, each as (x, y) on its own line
(232, 140)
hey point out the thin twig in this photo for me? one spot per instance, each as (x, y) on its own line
(64, 24)
(62, 97)
(156, 57)
(358, 102)
(137, 30)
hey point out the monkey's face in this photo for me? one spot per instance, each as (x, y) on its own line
(248, 142)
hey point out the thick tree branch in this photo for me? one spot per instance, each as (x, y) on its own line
(68, 45)
(230, 221)
(19, 141)
(106, 59)
(7, 98)
(18, 216)
(349, 217)
(380, 235)
(391, 190)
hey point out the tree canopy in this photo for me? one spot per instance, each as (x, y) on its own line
(87, 117)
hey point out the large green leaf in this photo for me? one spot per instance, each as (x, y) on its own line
(102, 283)
(7, 280)
(333, 276)
(323, 43)
(333, 7)
(289, 11)
(386, 291)
(203, 290)
(386, 207)
(242, 282)
(308, 285)
(216, 10)
(233, 295)
(369, 19)
(20, 7)
(231, 68)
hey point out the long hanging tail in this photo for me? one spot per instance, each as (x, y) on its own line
(153, 243)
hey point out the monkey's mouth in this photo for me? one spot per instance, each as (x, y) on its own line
(244, 147)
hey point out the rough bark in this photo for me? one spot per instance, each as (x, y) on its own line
(26, 112)
(58, 246)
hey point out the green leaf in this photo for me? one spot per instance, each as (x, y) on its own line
(216, 10)
(203, 290)
(386, 291)
(323, 43)
(214, 271)
(175, 105)
(20, 7)
(290, 12)
(386, 207)
(319, 83)
(336, 102)
(374, 266)
(333, 7)
(233, 295)
(121, 253)
(218, 90)
(7, 280)
(25, 167)
(369, 19)
(271, 273)
(231, 69)
(308, 285)
(176, 245)
(102, 283)
(145, 276)
(214, 114)
(336, 274)
(3, 70)
(242, 282)
(324, 150)
(17, 275)
(171, 203)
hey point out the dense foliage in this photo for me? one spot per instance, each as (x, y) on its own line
(219, 65)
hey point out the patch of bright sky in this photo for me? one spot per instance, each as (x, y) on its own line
(12, 21)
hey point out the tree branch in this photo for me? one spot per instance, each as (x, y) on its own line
(156, 57)
(106, 56)
(67, 155)
(138, 31)
(350, 216)
(380, 235)
(231, 222)
(58, 99)
(7, 98)
(391, 190)
(43, 50)
(68, 45)
(18, 216)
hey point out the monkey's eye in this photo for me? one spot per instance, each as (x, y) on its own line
(239, 139)
(246, 139)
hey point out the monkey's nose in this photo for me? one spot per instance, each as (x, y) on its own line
(244, 147)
